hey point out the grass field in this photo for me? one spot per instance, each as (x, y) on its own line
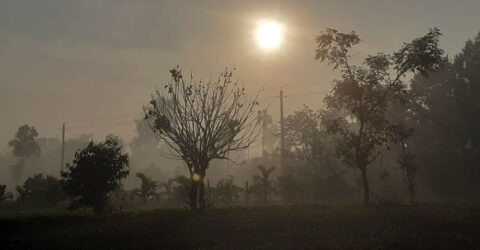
(429, 226)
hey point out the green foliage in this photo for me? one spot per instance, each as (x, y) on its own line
(95, 172)
(41, 191)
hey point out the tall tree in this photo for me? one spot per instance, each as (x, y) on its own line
(201, 121)
(446, 115)
(363, 93)
(95, 172)
(24, 146)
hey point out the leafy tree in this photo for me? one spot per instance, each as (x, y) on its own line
(41, 191)
(445, 116)
(24, 146)
(4, 194)
(317, 172)
(363, 93)
(311, 144)
(263, 183)
(148, 188)
(95, 172)
(201, 121)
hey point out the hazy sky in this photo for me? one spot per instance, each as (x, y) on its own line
(94, 63)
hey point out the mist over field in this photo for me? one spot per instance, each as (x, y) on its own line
(239, 124)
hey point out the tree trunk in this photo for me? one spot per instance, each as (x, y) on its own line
(366, 188)
(201, 192)
(412, 193)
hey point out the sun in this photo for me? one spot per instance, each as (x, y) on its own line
(269, 35)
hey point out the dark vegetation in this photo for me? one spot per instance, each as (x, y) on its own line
(430, 226)
(380, 138)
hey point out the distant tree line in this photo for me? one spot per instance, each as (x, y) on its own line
(376, 128)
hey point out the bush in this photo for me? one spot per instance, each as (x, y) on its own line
(95, 173)
(41, 191)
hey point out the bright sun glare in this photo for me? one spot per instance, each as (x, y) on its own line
(269, 35)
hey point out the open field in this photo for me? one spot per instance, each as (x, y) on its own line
(276, 227)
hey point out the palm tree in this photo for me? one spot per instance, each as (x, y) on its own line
(148, 188)
(263, 182)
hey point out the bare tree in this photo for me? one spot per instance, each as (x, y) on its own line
(363, 93)
(201, 121)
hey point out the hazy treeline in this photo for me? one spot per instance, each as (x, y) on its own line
(443, 150)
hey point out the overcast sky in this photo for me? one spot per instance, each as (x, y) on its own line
(94, 63)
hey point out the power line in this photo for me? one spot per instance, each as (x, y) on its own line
(104, 118)
(295, 85)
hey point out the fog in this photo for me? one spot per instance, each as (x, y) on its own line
(93, 65)
(64, 61)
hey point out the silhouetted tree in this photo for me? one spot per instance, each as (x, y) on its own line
(310, 143)
(201, 121)
(363, 93)
(95, 172)
(24, 146)
(445, 116)
(315, 171)
(263, 183)
(148, 188)
(4, 194)
(41, 191)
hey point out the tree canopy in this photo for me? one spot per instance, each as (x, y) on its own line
(95, 172)
(363, 93)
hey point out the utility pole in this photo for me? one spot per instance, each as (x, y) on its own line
(63, 147)
(282, 135)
